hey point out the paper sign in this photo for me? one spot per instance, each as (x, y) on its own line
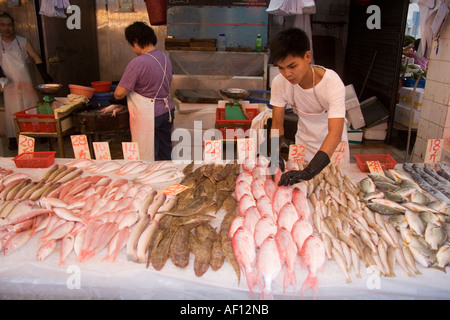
(213, 150)
(130, 150)
(26, 144)
(174, 189)
(297, 152)
(80, 147)
(375, 167)
(434, 150)
(246, 150)
(101, 150)
(339, 154)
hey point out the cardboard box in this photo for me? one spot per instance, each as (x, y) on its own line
(402, 116)
(352, 106)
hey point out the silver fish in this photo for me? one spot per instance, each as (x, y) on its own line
(435, 236)
(443, 256)
(372, 195)
(390, 203)
(366, 185)
(396, 197)
(380, 178)
(415, 223)
(383, 209)
(417, 207)
(420, 198)
(421, 252)
(398, 220)
(401, 175)
(385, 186)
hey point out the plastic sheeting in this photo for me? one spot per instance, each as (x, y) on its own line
(23, 277)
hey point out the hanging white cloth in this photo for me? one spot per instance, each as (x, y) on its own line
(432, 15)
(291, 7)
(19, 94)
(54, 8)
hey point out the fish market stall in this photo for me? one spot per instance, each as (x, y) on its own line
(34, 267)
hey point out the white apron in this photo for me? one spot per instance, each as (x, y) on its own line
(19, 94)
(142, 118)
(312, 129)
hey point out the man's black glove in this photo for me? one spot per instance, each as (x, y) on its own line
(122, 101)
(44, 75)
(317, 164)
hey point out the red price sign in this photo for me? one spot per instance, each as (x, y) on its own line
(339, 154)
(375, 167)
(26, 144)
(174, 189)
(101, 150)
(246, 150)
(80, 147)
(213, 150)
(297, 152)
(130, 150)
(434, 150)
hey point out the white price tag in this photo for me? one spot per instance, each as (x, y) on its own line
(213, 150)
(297, 153)
(434, 150)
(130, 150)
(80, 147)
(101, 150)
(26, 144)
(339, 154)
(246, 150)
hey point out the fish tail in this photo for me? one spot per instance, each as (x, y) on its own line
(289, 279)
(310, 283)
(252, 280)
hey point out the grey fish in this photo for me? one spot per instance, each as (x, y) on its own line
(441, 171)
(432, 181)
(383, 209)
(443, 256)
(415, 223)
(380, 178)
(398, 221)
(372, 195)
(394, 196)
(428, 168)
(419, 197)
(425, 186)
(421, 252)
(366, 185)
(385, 186)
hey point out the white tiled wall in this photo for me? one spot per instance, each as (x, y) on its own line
(435, 115)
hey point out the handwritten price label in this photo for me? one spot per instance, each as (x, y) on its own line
(375, 167)
(174, 189)
(434, 150)
(26, 144)
(130, 150)
(297, 152)
(339, 154)
(80, 147)
(246, 150)
(213, 150)
(101, 150)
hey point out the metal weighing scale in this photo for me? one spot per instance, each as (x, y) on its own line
(48, 90)
(234, 110)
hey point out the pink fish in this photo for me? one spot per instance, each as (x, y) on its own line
(288, 255)
(246, 202)
(242, 188)
(282, 195)
(269, 264)
(117, 243)
(59, 232)
(265, 207)
(46, 249)
(237, 222)
(245, 253)
(251, 217)
(23, 215)
(301, 231)
(100, 239)
(301, 204)
(264, 228)
(287, 217)
(313, 256)
(244, 176)
(257, 188)
(270, 187)
(260, 172)
(16, 241)
(67, 244)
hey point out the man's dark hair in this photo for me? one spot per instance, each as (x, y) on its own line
(292, 41)
(141, 34)
(7, 16)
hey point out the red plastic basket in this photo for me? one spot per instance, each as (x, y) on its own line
(35, 159)
(31, 113)
(386, 161)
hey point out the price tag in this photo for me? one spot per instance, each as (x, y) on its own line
(26, 144)
(339, 154)
(101, 150)
(297, 152)
(246, 150)
(213, 150)
(434, 150)
(375, 167)
(80, 147)
(174, 189)
(130, 150)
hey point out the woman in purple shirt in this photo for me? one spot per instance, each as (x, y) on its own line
(146, 84)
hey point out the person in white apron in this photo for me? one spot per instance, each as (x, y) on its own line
(317, 96)
(146, 85)
(19, 93)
